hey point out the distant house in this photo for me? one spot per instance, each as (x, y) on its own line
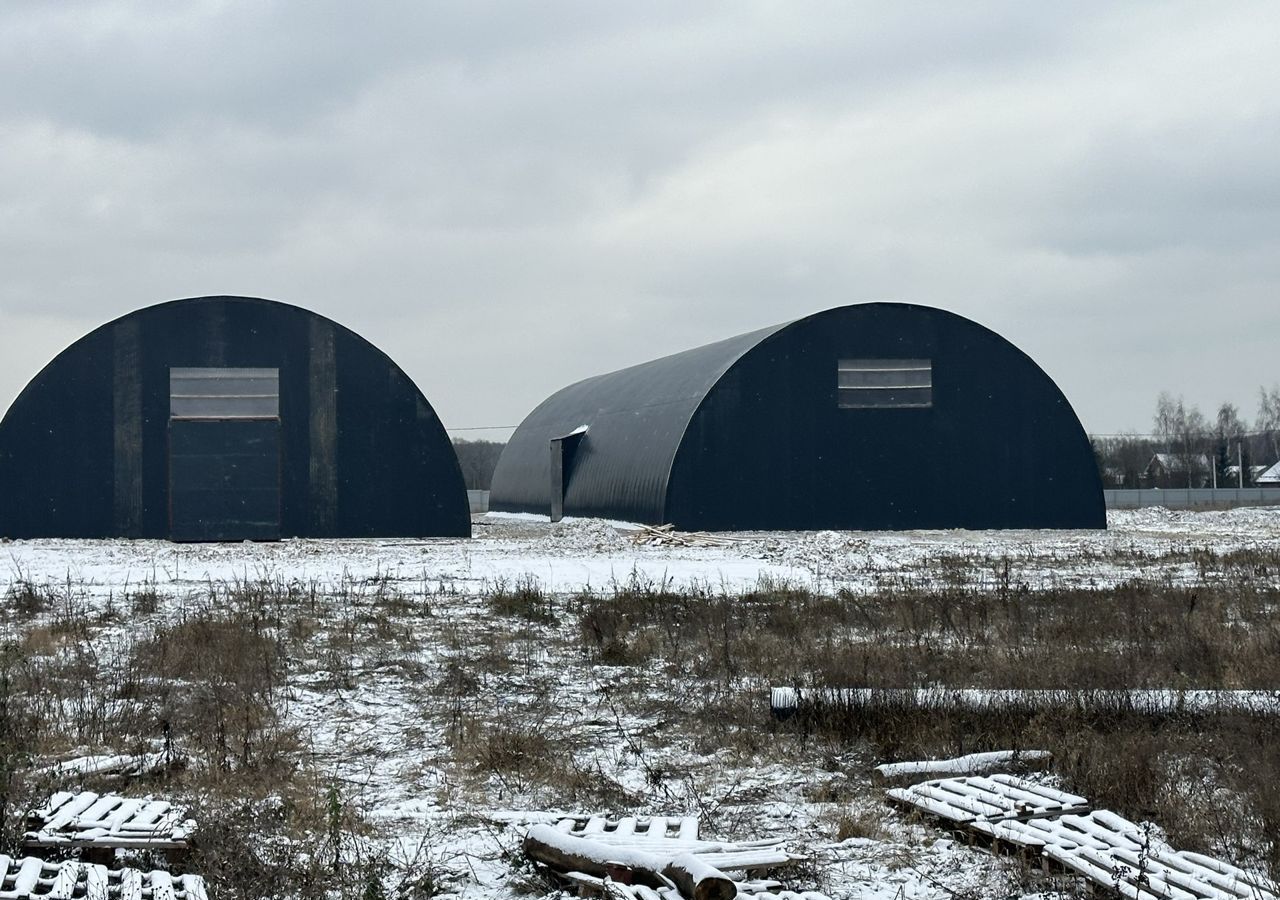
(1170, 470)
(1113, 476)
(1270, 478)
(1231, 474)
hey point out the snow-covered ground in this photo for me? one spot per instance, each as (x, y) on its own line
(387, 729)
(588, 554)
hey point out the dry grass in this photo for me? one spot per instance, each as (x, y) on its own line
(1213, 781)
(532, 699)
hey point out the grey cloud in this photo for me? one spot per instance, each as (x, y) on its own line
(507, 197)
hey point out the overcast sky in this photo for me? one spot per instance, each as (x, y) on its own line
(510, 197)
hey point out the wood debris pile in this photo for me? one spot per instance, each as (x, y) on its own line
(101, 831)
(656, 859)
(667, 536)
(120, 766)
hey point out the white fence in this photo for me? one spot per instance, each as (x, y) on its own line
(1193, 498)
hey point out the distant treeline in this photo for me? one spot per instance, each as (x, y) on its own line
(478, 460)
(1188, 449)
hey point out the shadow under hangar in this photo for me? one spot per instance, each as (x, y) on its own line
(226, 418)
(870, 416)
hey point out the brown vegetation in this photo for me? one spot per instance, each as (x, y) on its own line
(526, 697)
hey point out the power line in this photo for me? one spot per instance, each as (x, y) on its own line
(484, 428)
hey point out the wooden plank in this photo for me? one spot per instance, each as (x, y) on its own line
(750, 860)
(130, 884)
(65, 882)
(193, 887)
(96, 881)
(969, 799)
(906, 773)
(123, 812)
(162, 886)
(28, 874)
(69, 809)
(97, 811)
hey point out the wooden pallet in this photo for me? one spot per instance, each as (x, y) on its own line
(100, 824)
(1105, 848)
(591, 886)
(980, 798)
(676, 835)
(31, 877)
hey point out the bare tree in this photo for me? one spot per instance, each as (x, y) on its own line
(1268, 424)
(1183, 430)
(477, 459)
(1228, 433)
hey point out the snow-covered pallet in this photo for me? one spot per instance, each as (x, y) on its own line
(107, 822)
(995, 798)
(590, 885)
(678, 834)
(1110, 850)
(30, 877)
(1105, 848)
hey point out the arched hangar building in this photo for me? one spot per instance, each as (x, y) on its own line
(226, 418)
(871, 416)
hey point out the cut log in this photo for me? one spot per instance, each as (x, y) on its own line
(699, 880)
(694, 878)
(906, 773)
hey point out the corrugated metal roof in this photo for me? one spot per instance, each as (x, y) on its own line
(752, 432)
(635, 419)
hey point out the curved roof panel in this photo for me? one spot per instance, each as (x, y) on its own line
(635, 419)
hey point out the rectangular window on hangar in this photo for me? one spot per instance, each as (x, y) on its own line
(884, 384)
(208, 393)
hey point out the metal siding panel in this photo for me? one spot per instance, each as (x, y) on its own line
(557, 479)
(126, 402)
(322, 484)
(224, 479)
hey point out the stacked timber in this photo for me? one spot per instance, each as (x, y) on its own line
(30, 877)
(655, 859)
(1004, 811)
(667, 536)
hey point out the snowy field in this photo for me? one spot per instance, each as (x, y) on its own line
(426, 681)
(576, 555)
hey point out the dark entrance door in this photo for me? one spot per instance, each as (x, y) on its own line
(224, 455)
(224, 479)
